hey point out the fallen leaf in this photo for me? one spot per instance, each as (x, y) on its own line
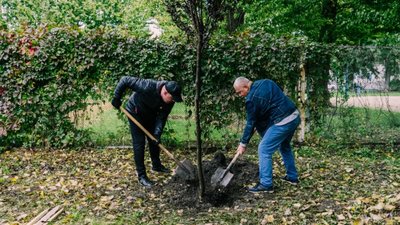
(377, 207)
(358, 222)
(297, 205)
(327, 213)
(349, 169)
(376, 217)
(267, 219)
(388, 207)
(341, 217)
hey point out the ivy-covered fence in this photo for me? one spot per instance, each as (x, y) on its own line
(48, 73)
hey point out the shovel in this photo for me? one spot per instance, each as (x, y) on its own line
(223, 176)
(185, 169)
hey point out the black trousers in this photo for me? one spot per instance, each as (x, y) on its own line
(139, 143)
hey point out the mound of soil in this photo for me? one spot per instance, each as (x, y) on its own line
(180, 193)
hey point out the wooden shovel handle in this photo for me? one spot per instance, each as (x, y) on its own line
(231, 163)
(152, 138)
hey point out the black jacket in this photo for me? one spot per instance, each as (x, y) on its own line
(146, 100)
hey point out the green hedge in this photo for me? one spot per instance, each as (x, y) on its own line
(49, 73)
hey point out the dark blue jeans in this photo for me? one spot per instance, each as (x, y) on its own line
(139, 143)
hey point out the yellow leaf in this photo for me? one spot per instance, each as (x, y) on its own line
(366, 200)
(389, 222)
(14, 179)
(358, 222)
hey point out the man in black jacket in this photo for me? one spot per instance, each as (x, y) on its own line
(150, 104)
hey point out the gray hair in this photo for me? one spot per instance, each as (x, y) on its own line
(241, 81)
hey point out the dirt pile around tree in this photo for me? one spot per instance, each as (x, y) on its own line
(179, 193)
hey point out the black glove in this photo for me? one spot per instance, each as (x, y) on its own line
(155, 142)
(157, 136)
(116, 102)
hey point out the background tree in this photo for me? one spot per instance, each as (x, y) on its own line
(327, 22)
(129, 17)
(198, 19)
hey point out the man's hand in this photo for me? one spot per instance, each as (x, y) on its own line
(116, 102)
(157, 136)
(155, 142)
(241, 149)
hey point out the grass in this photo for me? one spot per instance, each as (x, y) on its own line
(109, 127)
(369, 93)
(351, 124)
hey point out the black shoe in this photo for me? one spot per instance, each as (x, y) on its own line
(145, 181)
(261, 188)
(290, 181)
(161, 169)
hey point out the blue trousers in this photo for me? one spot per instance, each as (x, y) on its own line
(277, 137)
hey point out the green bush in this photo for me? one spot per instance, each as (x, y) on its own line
(394, 85)
(48, 74)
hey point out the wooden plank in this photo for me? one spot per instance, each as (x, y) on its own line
(46, 217)
(37, 218)
(55, 215)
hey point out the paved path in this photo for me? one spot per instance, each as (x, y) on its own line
(377, 102)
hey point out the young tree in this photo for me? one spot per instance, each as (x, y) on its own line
(198, 19)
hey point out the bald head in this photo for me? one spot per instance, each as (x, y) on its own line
(240, 81)
(242, 86)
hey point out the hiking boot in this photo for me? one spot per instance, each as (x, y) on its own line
(290, 181)
(261, 188)
(161, 169)
(146, 182)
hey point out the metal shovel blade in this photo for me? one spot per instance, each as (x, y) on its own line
(221, 177)
(186, 170)
(227, 178)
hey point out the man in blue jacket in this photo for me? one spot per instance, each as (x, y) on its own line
(275, 117)
(150, 104)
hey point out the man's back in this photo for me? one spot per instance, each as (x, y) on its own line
(270, 104)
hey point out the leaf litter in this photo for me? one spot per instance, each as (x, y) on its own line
(100, 186)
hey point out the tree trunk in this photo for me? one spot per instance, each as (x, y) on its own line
(235, 18)
(329, 12)
(319, 68)
(197, 115)
(387, 75)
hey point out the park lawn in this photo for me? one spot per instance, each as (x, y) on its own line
(369, 93)
(350, 186)
(108, 127)
(360, 125)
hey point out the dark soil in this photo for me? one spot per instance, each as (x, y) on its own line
(184, 194)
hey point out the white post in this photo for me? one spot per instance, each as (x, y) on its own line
(302, 86)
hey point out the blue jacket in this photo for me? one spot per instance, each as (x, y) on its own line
(266, 104)
(146, 100)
